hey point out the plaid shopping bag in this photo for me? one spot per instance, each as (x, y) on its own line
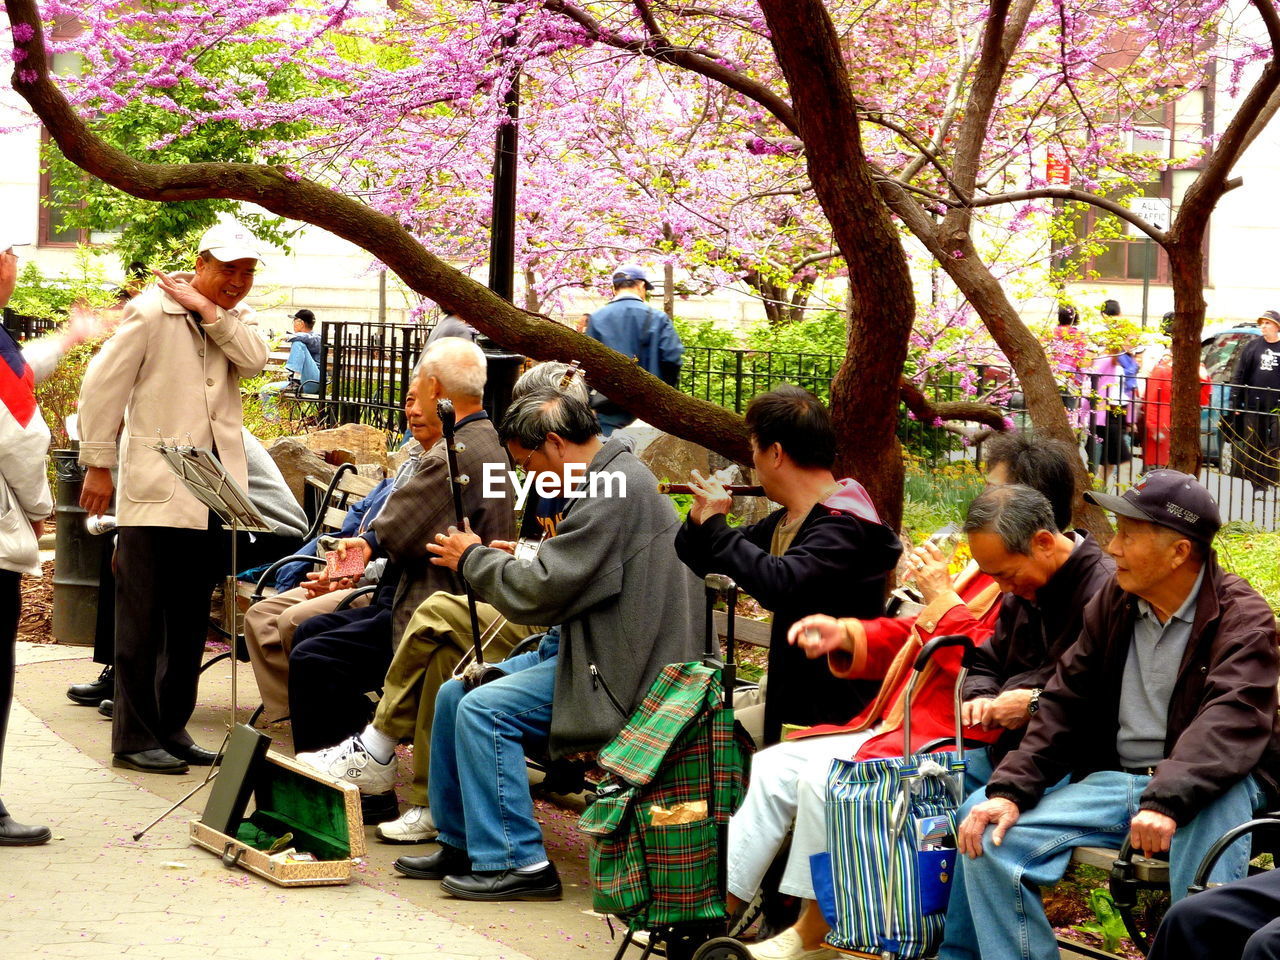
(661, 874)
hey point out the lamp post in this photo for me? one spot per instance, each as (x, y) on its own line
(503, 365)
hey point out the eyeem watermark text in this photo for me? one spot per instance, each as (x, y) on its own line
(605, 483)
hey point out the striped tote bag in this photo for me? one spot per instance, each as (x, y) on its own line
(891, 836)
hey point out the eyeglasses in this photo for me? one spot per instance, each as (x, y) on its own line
(524, 464)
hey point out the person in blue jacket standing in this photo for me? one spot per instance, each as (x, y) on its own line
(633, 328)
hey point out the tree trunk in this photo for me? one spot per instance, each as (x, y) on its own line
(1186, 266)
(864, 394)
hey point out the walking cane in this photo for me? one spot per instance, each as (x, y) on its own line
(478, 672)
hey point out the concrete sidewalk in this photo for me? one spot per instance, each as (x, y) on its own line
(93, 892)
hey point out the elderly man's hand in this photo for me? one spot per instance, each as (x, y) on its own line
(449, 546)
(96, 490)
(1009, 710)
(976, 713)
(354, 543)
(997, 811)
(709, 497)
(188, 296)
(817, 635)
(931, 574)
(318, 584)
(1151, 832)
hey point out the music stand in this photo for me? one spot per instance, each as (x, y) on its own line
(209, 482)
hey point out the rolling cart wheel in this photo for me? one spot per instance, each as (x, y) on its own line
(722, 948)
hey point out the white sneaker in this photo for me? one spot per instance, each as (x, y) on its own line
(350, 761)
(414, 826)
(787, 946)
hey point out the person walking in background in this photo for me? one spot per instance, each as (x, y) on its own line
(636, 330)
(1255, 398)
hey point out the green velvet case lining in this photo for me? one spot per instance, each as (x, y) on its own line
(288, 802)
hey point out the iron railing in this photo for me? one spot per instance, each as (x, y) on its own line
(369, 365)
(23, 327)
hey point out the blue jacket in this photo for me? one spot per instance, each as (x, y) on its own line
(312, 340)
(359, 516)
(303, 368)
(635, 329)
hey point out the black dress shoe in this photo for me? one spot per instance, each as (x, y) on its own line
(92, 694)
(437, 866)
(107, 708)
(194, 754)
(150, 761)
(505, 885)
(13, 834)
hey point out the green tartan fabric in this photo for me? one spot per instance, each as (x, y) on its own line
(650, 874)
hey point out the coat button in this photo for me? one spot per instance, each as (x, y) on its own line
(209, 382)
(201, 353)
(213, 416)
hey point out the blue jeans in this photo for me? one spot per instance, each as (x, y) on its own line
(995, 912)
(479, 786)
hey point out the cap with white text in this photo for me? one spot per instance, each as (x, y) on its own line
(228, 241)
(1169, 499)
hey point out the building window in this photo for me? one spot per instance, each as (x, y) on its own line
(58, 194)
(1174, 131)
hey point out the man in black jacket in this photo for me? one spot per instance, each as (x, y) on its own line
(1047, 576)
(825, 551)
(1163, 713)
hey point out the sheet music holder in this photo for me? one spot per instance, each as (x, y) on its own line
(206, 478)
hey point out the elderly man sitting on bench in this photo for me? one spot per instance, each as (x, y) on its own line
(624, 607)
(1161, 713)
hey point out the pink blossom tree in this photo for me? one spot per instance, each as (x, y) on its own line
(743, 140)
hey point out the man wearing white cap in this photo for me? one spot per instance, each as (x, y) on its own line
(172, 371)
(636, 330)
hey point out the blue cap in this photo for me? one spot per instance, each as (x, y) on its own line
(630, 273)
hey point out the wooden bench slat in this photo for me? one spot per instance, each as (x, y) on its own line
(753, 632)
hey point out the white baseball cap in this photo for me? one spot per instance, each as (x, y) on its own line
(229, 241)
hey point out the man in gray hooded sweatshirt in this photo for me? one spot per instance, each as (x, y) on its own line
(624, 608)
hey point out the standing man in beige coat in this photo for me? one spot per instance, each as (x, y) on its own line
(172, 371)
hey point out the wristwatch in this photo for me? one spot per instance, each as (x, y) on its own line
(1033, 705)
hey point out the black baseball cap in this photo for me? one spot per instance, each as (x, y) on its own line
(1271, 315)
(1169, 499)
(305, 315)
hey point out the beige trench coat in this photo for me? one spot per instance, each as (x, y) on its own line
(163, 375)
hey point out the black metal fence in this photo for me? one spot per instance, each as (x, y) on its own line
(22, 327)
(1122, 426)
(366, 372)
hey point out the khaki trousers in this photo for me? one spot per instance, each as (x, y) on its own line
(269, 626)
(434, 642)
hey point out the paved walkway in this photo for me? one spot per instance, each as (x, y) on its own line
(93, 892)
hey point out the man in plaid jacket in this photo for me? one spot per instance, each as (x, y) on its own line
(338, 657)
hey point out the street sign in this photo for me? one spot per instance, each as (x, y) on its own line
(1155, 210)
(1057, 170)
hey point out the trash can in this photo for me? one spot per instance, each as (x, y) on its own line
(77, 557)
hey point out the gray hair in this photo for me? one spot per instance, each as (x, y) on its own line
(1012, 512)
(547, 410)
(548, 376)
(457, 363)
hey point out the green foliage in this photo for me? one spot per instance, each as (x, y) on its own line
(1108, 924)
(52, 297)
(823, 333)
(59, 393)
(934, 498)
(705, 333)
(1254, 555)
